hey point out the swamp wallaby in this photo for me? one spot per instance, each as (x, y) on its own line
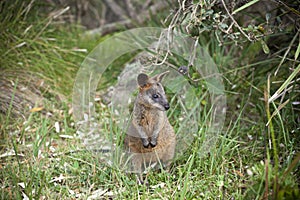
(150, 138)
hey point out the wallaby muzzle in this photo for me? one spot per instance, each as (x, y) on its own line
(167, 106)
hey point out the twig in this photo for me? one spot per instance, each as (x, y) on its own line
(103, 14)
(99, 18)
(235, 22)
(108, 28)
(131, 10)
(146, 4)
(194, 51)
(151, 10)
(289, 8)
(116, 8)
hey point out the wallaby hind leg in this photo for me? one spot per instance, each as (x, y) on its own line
(168, 156)
(141, 180)
(136, 163)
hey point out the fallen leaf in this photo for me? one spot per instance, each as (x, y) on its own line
(57, 127)
(66, 136)
(36, 109)
(11, 153)
(97, 194)
(238, 173)
(22, 185)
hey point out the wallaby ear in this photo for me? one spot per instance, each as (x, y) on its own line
(159, 77)
(142, 80)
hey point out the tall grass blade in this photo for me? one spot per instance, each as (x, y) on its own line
(291, 166)
(285, 84)
(286, 53)
(273, 138)
(245, 6)
(277, 110)
(297, 51)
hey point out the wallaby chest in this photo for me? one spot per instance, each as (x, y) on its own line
(150, 119)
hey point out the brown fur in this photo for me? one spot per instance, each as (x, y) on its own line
(150, 137)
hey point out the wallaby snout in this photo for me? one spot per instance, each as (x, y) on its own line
(167, 106)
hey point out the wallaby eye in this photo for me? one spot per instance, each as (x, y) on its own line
(155, 96)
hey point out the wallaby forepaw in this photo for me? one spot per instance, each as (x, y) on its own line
(145, 143)
(153, 143)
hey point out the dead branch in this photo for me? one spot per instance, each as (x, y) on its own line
(116, 9)
(128, 23)
(130, 8)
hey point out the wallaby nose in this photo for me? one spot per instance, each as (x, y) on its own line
(167, 106)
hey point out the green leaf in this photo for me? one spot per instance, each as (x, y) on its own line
(264, 46)
(245, 6)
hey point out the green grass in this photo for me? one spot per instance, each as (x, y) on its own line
(52, 167)
(250, 160)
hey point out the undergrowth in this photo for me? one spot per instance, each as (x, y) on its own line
(41, 157)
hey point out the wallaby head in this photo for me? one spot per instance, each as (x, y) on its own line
(152, 93)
